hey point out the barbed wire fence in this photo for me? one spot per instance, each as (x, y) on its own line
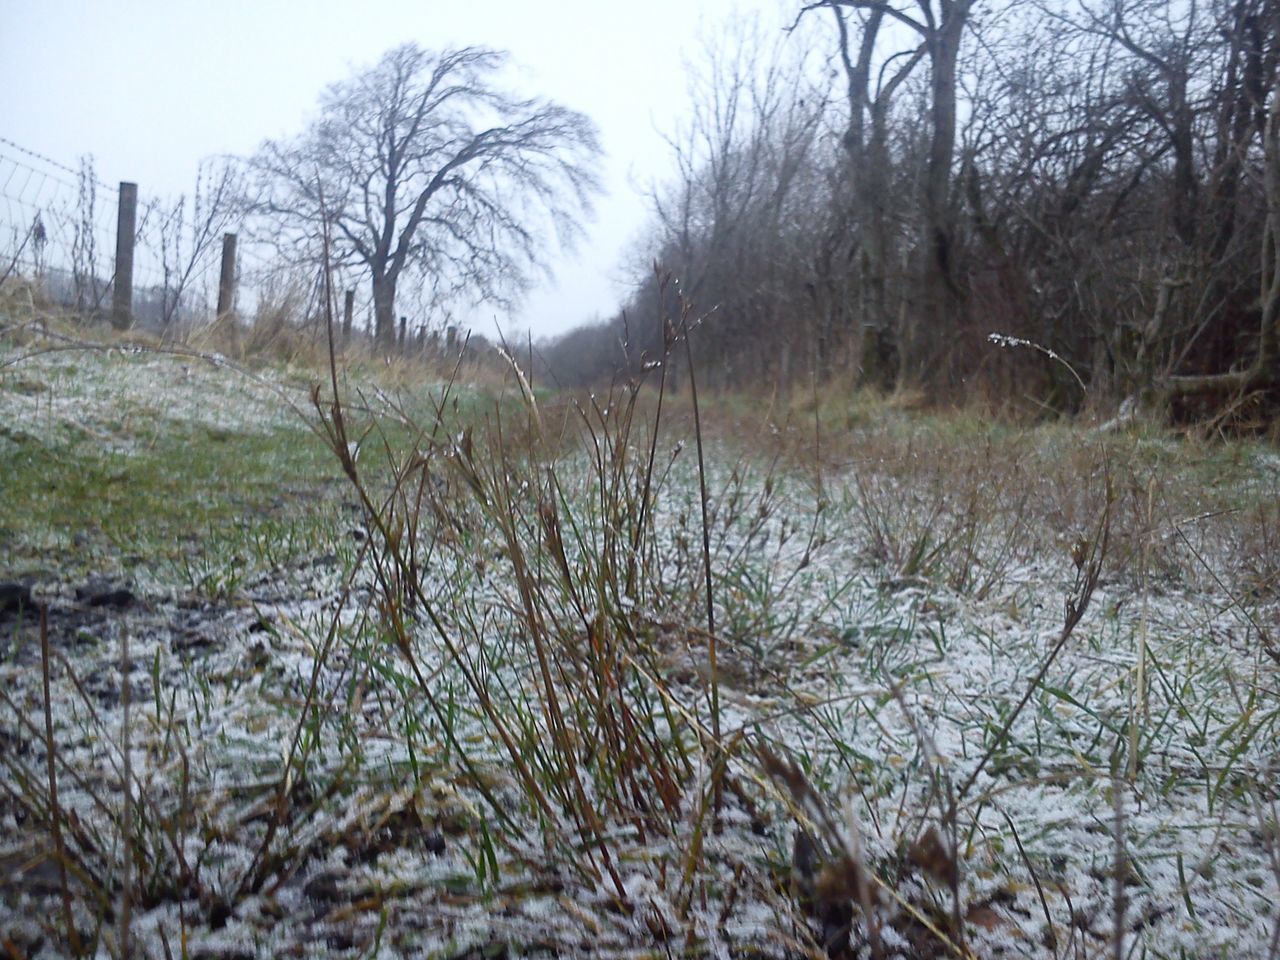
(58, 234)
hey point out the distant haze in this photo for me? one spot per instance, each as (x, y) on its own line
(149, 87)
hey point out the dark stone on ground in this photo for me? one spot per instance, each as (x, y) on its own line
(34, 875)
(341, 940)
(323, 888)
(118, 599)
(15, 598)
(100, 593)
(191, 640)
(219, 914)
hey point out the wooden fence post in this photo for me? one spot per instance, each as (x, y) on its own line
(126, 224)
(450, 340)
(404, 321)
(348, 309)
(227, 276)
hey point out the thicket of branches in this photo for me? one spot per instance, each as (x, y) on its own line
(874, 193)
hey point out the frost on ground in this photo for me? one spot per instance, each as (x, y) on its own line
(264, 770)
(109, 394)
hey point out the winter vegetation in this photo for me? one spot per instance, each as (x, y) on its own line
(896, 576)
(872, 196)
(412, 668)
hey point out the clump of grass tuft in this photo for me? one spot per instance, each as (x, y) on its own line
(563, 660)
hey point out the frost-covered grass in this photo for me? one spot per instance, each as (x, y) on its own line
(964, 688)
(133, 463)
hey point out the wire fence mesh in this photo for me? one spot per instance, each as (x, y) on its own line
(58, 226)
(58, 233)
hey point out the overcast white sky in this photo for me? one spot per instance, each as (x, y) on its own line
(149, 87)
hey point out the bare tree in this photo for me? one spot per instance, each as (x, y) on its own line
(1166, 43)
(869, 93)
(1050, 151)
(1264, 372)
(936, 29)
(735, 226)
(422, 162)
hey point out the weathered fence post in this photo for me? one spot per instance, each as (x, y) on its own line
(404, 321)
(227, 276)
(348, 309)
(450, 340)
(126, 224)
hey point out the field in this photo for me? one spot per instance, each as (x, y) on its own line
(376, 667)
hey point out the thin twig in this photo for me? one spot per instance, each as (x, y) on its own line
(712, 651)
(55, 811)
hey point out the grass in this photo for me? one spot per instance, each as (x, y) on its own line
(575, 676)
(169, 468)
(94, 482)
(81, 505)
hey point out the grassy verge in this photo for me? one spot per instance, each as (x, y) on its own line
(581, 676)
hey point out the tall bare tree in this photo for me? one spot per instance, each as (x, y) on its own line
(424, 163)
(935, 29)
(735, 225)
(869, 94)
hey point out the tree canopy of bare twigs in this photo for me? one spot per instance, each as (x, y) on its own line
(427, 167)
(1095, 178)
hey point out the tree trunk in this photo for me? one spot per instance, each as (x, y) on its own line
(934, 319)
(1264, 372)
(384, 311)
(868, 159)
(876, 330)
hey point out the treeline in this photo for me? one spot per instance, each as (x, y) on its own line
(876, 192)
